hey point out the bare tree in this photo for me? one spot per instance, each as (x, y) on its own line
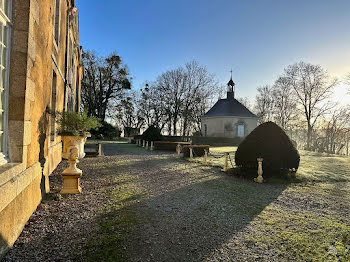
(177, 99)
(313, 87)
(245, 101)
(284, 103)
(334, 132)
(171, 88)
(347, 81)
(264, 103)
(199, 87)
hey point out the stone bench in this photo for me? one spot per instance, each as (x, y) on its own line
(93, 150)
(169, 146)
(198, 150)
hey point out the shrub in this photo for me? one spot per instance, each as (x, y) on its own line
(107, 131)
(74, 123)
(152, 134)
(271, 143)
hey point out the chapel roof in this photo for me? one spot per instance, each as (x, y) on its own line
(229, 107)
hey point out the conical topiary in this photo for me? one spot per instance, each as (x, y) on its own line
(270, 142)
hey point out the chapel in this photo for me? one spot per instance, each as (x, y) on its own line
(228, 117)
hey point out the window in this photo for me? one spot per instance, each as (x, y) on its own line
(5, 30)
(77, 91)
(240, 130)
(53, 105)
(56, 21)
(70, 74)
(205, 130)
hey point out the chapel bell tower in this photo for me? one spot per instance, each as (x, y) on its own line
(230, 88)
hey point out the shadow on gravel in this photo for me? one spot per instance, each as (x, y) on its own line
(192, 222)
(3, 246)
(187, 224)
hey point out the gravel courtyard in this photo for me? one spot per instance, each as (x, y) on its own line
(139, 205)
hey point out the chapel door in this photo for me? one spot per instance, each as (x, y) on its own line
(240, 131)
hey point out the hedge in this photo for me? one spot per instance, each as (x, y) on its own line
(270, 142)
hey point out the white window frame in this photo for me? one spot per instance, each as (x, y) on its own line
(56, 38)
(242, 130)
(53, 106)
(6, 20)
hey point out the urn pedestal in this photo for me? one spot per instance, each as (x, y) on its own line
(259, 179)
(73, 150)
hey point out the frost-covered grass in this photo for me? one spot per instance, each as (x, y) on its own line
(314, 167)
(179, 208)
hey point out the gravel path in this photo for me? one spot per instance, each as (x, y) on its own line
(148, 206)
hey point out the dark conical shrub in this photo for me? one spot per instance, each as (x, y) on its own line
(270, 142)
(152, 134)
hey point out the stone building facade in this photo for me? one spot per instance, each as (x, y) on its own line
(40, 69)
(228, 117)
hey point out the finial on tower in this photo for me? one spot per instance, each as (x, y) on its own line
(230, 87)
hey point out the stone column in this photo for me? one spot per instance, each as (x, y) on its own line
(259, 179)
(71, 176)
(225, 163)
(178, 150)
(99, 149)
(205, 157)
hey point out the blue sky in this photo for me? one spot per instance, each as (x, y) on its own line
(257, 38)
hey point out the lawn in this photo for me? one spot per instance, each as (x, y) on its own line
(319, 230)
(304, 221)
(314, 167)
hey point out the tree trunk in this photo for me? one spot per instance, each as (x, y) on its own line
(309, 137)
(169, 126)
(184, 127)
(174, 126)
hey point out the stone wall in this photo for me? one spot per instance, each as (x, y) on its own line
(33, 152)
(227, 126)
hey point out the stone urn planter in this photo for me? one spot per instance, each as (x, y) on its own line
(73, 150)
(73, 128)
(74, 141)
